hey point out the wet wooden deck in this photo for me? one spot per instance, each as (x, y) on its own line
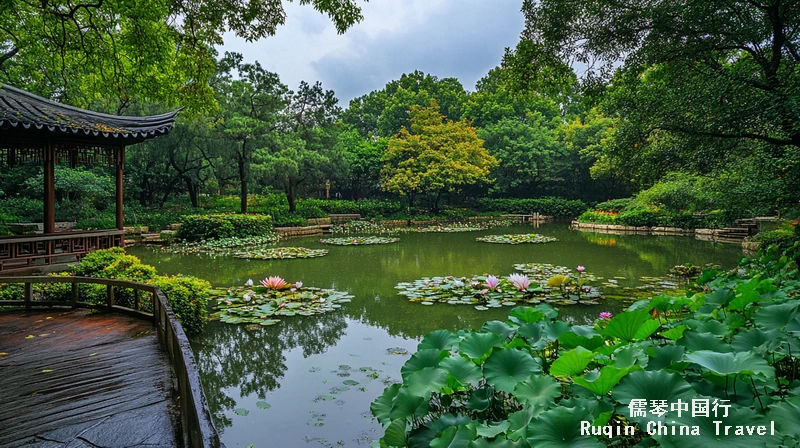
(68, 379)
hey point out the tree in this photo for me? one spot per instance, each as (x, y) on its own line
(726, 70)
(302, 152)
(110, 55)
(363, 160)
(384, 112)
(251, 108)
(527, 154)
(434, 155)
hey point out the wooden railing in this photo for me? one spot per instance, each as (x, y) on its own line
(35, 251)
(196, 423)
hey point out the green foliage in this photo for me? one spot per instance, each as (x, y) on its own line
(519, 383)
(310, 210)
(551, 206)
(204, 227)
(782, 238)
(614, 205)
(371, 208)
(434, 156)
(187, 296)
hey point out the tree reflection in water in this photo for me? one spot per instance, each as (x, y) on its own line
(252, 360)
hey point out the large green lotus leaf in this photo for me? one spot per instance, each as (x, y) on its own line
(505, 368)
(534, 335)
(497, 442)
(422, 437)
(581, 336)
(499, 328)
(462, 369)
(548, 311)
(439, 339)
(561, 428)
(492, 430)
(395, 434)
(525, 314)
(455, 437)
(743, 299)
(478, 346)
(674, 333)
(776, 317)
(668, 303)
(407, 404)
(427, 380)
(480, 399)
(651, 385)
(747, 340)
(571, 363)
(424, 358)
(628, 356)
(714, 327)
(743, 363)
(786, 416)
(603, 382)
(626, 325)
(538, 391)
(667, 357)
(518, 424)
(738, 416)
(555, 329)
(382, 405)
(694, 341)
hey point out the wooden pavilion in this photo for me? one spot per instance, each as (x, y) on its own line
(33, 128)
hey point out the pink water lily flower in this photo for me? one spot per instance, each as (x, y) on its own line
(492, 281)
(298, 285)
(606, 315)
(483, 293)
(273, 283)
(520, 281)
(580, 268)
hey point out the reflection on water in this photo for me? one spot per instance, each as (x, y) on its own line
(304, 368)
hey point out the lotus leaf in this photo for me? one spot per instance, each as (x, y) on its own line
(359, 241)
(516, 238)
(281, 253)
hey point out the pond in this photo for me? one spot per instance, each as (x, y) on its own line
(308, 381)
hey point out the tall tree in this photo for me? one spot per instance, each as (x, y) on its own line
(251, 111)
(720, 69)
(434, 155)
(111, 54)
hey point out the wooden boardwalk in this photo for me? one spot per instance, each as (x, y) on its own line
(68, 379)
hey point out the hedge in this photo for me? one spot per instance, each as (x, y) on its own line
(214, 226)
(551, 206)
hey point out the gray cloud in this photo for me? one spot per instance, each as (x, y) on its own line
(465, 39)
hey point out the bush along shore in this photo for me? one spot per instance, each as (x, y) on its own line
(662, 372)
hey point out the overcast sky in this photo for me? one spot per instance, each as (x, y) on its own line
(445, 38)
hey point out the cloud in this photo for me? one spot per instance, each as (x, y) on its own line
(446, 38)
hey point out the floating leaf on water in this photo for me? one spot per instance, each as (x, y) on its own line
(47, 370)
(241, 411)
(263, 405)
(517, 238)
(481, 308)
(350, 382)
(396, 351)
(426, 303)
(359, 241)
(30, 336)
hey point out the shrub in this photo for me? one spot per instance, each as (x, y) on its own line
(552, 206)
(372, 208)
(286, 220)
(204, 227)
(598, 217)
(639, 216)
(309, 210)
(23, 209)
(614, 205)
(188, 297)
(783, 238)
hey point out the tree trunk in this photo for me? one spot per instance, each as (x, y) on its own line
(436, 201)
(243, 183)
(290, 199)
(192, 189)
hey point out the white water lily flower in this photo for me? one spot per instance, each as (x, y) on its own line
(249, 282)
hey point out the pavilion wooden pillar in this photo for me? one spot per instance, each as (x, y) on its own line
(119, 163)
(49, 188)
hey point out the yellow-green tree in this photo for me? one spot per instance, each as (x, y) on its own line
(434, 156)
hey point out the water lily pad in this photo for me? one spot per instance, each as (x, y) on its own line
(241, 411)
(359, 241)
(223, 246)
(517, 238)
(263, 405)
(281, 253)
(350, 382)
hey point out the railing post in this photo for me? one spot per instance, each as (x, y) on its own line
(109, 296)
(136, 299)
(74, 294)
(28, 296)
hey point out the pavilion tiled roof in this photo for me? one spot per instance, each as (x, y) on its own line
(24, 113)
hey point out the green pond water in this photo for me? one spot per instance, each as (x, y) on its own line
(308, 381)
